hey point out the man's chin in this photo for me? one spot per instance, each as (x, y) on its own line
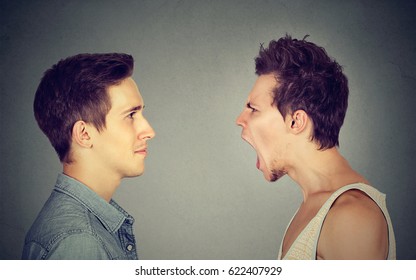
(273, 176)
(134, 173)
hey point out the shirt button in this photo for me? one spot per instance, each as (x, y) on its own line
(129, 247)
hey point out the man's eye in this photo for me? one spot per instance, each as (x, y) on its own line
(131, 115)
(251, 108)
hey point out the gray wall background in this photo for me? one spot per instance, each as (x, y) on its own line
(201, 196)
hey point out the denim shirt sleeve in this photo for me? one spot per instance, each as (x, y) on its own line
(83, 246)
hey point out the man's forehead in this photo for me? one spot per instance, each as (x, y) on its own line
(263, 88)
(125, 94)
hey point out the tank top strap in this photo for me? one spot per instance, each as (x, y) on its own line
(305, 245)
(378, 197)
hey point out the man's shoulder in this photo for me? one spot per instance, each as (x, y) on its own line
(356, 207)
(63, 220)
(61, 215)
(62, 207)
(356, 223)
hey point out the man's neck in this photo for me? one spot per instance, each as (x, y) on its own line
(97, 180)
(322, 171)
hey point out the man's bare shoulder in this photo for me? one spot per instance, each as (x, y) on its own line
(355, 228)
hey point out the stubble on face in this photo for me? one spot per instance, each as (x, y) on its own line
(277, 170)
(276, 175)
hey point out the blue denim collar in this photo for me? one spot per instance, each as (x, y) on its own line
(111, 215)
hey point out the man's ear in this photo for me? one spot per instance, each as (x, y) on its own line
(298, 121)
(81, 134)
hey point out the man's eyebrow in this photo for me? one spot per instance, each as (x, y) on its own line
(132, 109)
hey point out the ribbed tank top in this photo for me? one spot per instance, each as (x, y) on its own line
(305, 245)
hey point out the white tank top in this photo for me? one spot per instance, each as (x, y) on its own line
(305, 245)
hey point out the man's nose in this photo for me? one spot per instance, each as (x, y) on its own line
(148, 131)
(240, 120)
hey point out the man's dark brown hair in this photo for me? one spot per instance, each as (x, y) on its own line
(309, 80)
(76, 89)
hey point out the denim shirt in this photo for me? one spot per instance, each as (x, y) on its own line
(76, 223)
